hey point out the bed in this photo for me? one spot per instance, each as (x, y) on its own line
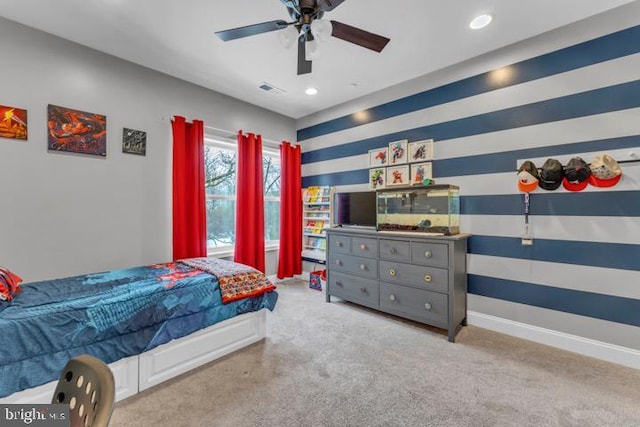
(150, 323)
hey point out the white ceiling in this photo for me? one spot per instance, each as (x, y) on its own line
(177, 38)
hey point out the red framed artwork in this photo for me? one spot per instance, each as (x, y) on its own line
(13, 123)
(76, 131)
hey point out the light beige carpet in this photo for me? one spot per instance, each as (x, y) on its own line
(338, 364)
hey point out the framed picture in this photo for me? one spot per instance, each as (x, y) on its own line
(13, 122)
(379, 157)
(398, 176)
(420, 172)
(398, 152)
(76, 131)
(419, 151)
(134, 141)
(377, 178)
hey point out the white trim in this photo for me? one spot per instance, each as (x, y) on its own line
(136, 373)
(584, 346)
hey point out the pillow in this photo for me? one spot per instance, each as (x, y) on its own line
(9, 284)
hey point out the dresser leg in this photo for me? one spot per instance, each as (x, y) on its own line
(328, 297)
(464, 322)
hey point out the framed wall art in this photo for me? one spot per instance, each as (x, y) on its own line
(420, 172)
(398, 176)
(13, 123)
(398, 152)
(377, 178)
(379, 157)
(76, 131)
(419, 151)
(134, 141)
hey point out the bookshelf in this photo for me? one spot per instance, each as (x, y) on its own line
(316, 218)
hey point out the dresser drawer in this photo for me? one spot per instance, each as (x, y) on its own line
(435, 279)
(395, 250)
(364, 267)
(361, 246)
(350, 287)
(431, 254)
(339, 243)
(426, 305)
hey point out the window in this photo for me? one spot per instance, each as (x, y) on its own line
(220, 189)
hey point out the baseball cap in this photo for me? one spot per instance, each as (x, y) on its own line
(527, 177)
(550, 175)
(605, 171)
(576, 174)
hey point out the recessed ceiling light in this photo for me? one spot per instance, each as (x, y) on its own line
(311, 91)
(480, 21)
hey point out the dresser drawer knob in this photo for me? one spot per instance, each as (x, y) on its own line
(427, 306)
(363, 290)
(363, 247)
(338, 262)
(392, 272)
(392, 297)
(363, 267)
(428, 254)
(338, 244)
(339, 284)
(393, 251)
(427, 278)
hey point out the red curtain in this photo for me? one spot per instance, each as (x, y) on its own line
(289, 258)
(189, 211)
(249, 245)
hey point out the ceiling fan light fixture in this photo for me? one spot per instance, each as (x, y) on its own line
(311, 91)
(312, 50)
(321, 29)
(480, 21)
(288, 37)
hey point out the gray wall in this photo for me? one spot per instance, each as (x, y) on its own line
(571, 92)
(64, 214)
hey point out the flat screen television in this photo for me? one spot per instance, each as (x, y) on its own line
(355, 208)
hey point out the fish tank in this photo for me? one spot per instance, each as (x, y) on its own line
(433, 209)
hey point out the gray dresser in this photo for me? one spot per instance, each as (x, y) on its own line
(422, 278)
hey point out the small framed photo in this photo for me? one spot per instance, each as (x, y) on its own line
(398, 152)
(398, 176)
(134, 141)
(419, 151)
(379, 157)
(377, 178)
(420, 172)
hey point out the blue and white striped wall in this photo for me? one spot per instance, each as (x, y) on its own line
(578, 286)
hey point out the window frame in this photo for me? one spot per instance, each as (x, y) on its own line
(269, 150)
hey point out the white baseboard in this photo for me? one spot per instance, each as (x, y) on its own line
(587, 347)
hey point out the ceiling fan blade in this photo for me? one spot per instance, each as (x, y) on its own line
(251, 30)
(328, 5)
(357, 36)
(304, 66)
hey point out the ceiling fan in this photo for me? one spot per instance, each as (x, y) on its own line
(304, 13)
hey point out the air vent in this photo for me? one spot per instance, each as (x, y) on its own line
(268, 87)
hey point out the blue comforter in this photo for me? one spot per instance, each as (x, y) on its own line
(110, 315)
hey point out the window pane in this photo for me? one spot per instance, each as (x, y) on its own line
(220, 223)
(271, 220)
(220, 171)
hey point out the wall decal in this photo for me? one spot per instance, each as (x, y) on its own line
(13, 122)
(134, 141)
(76, 131)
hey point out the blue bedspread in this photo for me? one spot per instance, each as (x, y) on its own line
(110, 315)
